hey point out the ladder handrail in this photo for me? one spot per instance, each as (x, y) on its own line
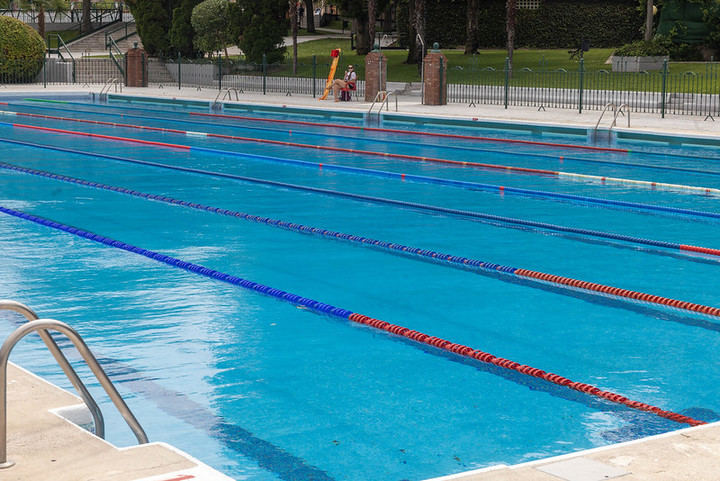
(109, 83)
(383, 96)
(623, 107)
(607, 106)
(227, 93)
(87, 355)
(54, 349)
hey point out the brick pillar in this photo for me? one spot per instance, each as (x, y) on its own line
(435, 77)
(136, 68)
(375, 74)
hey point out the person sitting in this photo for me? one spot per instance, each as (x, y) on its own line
(347, 82)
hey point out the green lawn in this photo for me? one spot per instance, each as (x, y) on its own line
(487, 66)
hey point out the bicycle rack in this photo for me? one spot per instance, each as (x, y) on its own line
(42, 326)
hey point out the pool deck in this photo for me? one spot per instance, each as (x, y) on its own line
(45, 446)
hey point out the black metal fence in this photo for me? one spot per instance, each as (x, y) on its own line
(660, 92)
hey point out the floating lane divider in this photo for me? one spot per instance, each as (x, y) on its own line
(505, 168)
(553, 157)
(411, 132)
(383, 201)
(366, 129)
(455, 183)
(330, 310)
(410, 251)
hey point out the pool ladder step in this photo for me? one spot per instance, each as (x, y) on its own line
(42, 327)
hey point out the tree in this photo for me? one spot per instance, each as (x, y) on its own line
(152, 20)
(263, 24)
(649, 20)
(471, 27)
(310, 16)
(511, 7)
(372, 20)
(420, 28)
(412, 34)
(210, 21)
(181, 33)
(86, 25)
(293, 13)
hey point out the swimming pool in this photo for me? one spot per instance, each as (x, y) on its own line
(265, 388)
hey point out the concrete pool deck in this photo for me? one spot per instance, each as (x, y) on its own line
(47, 447)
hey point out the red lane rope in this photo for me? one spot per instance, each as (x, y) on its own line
(100, 136)
(410, 132)
(506, 168)
(616, 291)
(703, 250)
(488, 358)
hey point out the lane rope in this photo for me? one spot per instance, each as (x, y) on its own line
(381, 200)
(553, 157)
(328, 309)
(391, 246)
(603, 180)
(626, 205)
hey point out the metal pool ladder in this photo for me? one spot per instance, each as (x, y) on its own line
(42, 326)
(624, 108)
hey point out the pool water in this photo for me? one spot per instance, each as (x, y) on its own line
(265, 389)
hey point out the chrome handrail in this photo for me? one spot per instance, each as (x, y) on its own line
(87, 355)
(109, 83)
(623, 107)
(54, 349)
(607, 106)
(227, 94)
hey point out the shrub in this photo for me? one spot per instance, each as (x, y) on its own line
(21, 51)
(642, 48)
(211, 24)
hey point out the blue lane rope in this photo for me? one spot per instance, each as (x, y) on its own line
(435, 256)
(553, 157)
(625, 205)
(383, 201)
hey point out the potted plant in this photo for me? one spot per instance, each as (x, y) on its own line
(640, 56)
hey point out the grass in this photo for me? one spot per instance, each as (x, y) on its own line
(66, 35)
(531, 67)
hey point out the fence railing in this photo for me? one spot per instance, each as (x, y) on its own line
(659, 92)
(70, 16)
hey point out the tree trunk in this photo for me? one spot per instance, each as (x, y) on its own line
(649, 21)
(310, 16)
(387, 18)
(510, 27)
(471, 30)
(293, 13)
(372, 20)
(362, 41)
(412, 34)
(420, 30)
(41, 21)
(86, 25)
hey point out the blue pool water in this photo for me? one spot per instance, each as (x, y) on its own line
(262, 389)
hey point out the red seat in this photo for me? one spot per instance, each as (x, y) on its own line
(346, 93)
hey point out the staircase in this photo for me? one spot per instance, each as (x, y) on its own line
(94, 44)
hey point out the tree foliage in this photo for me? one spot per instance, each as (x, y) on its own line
(211, 24)
(152, 20)
(263, 24)
(182, 32)
(21, 51)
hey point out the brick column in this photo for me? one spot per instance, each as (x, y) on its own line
(136, 68)
(435, 77)
(375, 74)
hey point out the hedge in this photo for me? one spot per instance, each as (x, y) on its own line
(21, 51)
(556, 24)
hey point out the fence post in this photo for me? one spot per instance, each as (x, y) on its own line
(219, 71)
(314, 70)
(264, 72)
(45, 69)
(664, 87)
(179, 71)
(507, 80)
(582, 76)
